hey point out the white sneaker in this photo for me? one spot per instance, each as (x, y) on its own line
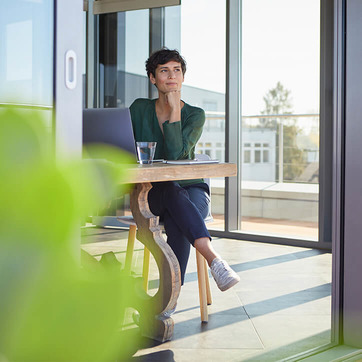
(163, 315)
(168, 314)
(224, 276)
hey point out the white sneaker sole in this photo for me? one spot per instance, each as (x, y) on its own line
(230, 284)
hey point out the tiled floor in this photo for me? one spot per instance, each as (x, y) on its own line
(281, 306)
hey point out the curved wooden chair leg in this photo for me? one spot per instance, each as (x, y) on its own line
(202, 286)
(130, 248)
(146, 269)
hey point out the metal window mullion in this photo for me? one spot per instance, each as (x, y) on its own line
(233, 113)
(156, 38)
(68, 44)
(92, 59)
(338, 170)
(325, 125)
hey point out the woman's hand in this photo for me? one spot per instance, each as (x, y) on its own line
(173, 99)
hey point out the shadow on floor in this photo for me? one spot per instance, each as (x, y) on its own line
(289, 300)
(254, 264)
(260, 308)
(160, 356)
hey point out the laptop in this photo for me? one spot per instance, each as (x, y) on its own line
(111, 126)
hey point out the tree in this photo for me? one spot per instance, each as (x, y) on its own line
(278, 101)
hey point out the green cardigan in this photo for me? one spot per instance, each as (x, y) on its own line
(178, 140)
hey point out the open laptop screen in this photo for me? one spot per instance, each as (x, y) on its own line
(111, 126)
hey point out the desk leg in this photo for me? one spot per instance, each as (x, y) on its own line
(149, 233)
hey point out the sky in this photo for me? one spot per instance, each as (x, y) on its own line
(280, 42)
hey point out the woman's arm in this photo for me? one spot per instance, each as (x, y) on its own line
(181, 137)
(174, 101)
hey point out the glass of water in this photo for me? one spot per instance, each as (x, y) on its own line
(146, 152)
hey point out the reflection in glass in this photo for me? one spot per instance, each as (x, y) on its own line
(280, 117)
(124, 46)
(204, 84)
(123, 50)
(26, 52)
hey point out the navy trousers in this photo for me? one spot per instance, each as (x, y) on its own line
(182, 210)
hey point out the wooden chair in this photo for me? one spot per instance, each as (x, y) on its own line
(202, 270)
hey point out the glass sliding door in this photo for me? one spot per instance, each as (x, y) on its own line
(31, 44)
(279, 151)
(39, 73)
(122, 47)
(201, 40)
(125, 41)
(123, 50)
(26, 55)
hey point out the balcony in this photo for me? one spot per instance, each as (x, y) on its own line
(279, 185)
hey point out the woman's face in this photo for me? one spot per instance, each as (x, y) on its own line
(168, 77)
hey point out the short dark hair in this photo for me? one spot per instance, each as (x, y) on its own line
(164, 56)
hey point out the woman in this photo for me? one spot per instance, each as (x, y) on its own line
(176, 127)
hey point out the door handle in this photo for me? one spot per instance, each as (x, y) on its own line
(70, 69)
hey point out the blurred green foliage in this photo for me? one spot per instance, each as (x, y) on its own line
(51, 308)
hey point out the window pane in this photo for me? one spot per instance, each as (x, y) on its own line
(26, 52)
(124, 46)
(123, 50)
(26, 56)
(135, 55)
(204, 84)
(280, 76)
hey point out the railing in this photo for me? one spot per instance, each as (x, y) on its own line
(27, 106)
(296, 161)
(283, 188)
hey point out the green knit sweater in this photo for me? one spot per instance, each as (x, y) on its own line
(178, 140)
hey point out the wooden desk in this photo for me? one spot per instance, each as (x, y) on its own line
(168, 172)
(149, 233)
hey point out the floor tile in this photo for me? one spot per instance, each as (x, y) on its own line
(277, 330)
(222, 331)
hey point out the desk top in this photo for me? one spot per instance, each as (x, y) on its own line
(166, 172)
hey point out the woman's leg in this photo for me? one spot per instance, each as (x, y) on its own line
(169, 196)
(203, 245)
(182, 218)
(200, 196)
(184, 221)
(224, 276)
(178, 243)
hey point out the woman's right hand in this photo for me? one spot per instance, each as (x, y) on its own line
(173, 99)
